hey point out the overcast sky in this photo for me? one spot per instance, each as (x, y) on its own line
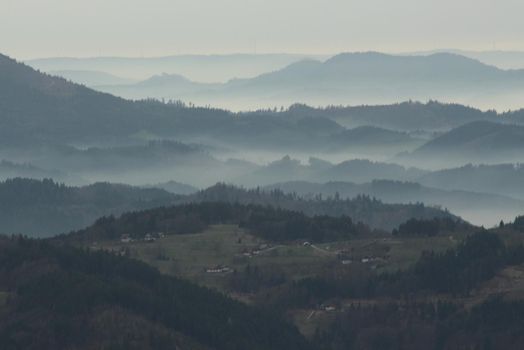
(43, 28)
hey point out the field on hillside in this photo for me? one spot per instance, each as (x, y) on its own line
(213, 258)
(210, 256)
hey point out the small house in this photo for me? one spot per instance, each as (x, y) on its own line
(219, 269)
(149, 237)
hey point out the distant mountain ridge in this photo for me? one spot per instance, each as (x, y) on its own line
(500, 58)
(356, 78)
(91, 78)
(32, 101)
(205, 68)
(348, 67)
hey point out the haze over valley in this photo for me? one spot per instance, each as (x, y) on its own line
(282, 80)
(236, 175)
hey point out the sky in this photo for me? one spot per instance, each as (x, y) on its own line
(80, 28)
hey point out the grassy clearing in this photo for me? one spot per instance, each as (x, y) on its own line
(404, 252)
(189, 256)
(397, 253)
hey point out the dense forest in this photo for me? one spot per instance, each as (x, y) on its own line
(368, 210)
(266, 222)
(493, 324)
(43, 208)
(433, 227)
(79, 294)
(423, 307)
(455, 272)
(60, 297)
(411, 308)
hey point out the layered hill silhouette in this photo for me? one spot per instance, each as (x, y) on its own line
(317, 170)
(52, 127)
(479, 142)
(37, 108)
(406, 116)
(353, 78)
(479, 207)
(45, 208)
(504, 179)
(41, 109)
(91, 77)
(205, 68)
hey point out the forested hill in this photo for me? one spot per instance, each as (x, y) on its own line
(365, 209)
(44, 207)
(57, 297)
(483, 142)
(272, 224)
(33, 105)
(405, 116)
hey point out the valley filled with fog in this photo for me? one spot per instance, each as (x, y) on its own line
(261, 175)
(419, 149)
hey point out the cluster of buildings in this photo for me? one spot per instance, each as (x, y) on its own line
(256, 251)
(148, 237)
(219, 269)
(346, 258)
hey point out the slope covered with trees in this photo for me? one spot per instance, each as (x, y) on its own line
(31, 101)
(478, 142)
(61, 297)
(265, 222)
(360, 208)
(44, 207)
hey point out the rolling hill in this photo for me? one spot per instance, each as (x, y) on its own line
(55, 296)
(370, 211)
(478, 207)
(59, 112)
(45, 208)
(36, 107)
(204, 68)
(91, 78)
(33, 103)
(361, 78)
(503, 179)
(317, 170)
(478, 142)
(406, 116)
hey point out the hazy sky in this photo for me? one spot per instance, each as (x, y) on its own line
(41, 28)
